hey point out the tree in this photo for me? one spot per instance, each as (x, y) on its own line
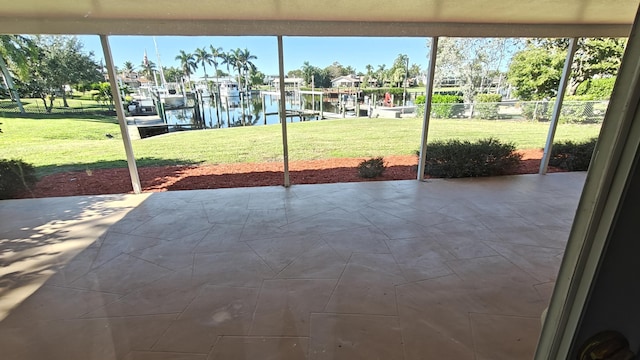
(204, 58)
(312, 75)
(216, 56)
(172, 73)
(61, 62)
(536, 70)
(104, 94)
(244, 58)
(128, 67)
(256, 77)
(474, 61)
(399, 70)
(336, 70)
(307, 72)
(295, 73)
(187, 64)
(148, 68)
(14, 52)
(367, 77)
(594, 57)
(535, 73)
(415, 70)
(382, 74)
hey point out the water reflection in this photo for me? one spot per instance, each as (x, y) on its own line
(253, 110)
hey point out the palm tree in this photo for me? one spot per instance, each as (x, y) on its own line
(128, 67)
(148, 67)
(381, 74)
(228, 59)
(216, 53)
(187, 64)
(369, 68)
(233, 60)
(204, 58)
(15, 49)
(241, 62)
(247, 65)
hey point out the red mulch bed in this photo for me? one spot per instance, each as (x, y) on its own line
(164, 178)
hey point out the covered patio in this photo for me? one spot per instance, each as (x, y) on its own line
(447, 269)
(451, 269)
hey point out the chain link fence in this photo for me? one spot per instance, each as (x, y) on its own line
(36, 107)
(573, 112)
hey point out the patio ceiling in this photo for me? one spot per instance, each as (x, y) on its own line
(566, 18)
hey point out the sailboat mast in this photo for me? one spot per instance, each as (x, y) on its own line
(164, 81)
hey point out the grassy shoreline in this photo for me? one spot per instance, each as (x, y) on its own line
(79, 142)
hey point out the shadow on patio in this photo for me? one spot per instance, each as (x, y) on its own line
(455, 269)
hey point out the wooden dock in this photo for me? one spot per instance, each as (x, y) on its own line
(301, 114)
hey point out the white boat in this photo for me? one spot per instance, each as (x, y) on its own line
(171, 98)
(229, 89)
(173, 101)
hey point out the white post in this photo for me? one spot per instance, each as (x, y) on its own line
(124, 131)
(557, 106)
(427, 107)
(283, 114)
(604, 193)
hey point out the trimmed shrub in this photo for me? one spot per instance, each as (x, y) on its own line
(15, 176)
(446, 106)
(371, 168)
(456, 158)
(442, 106)
(598, 89)
(572, 156)
(487, 106)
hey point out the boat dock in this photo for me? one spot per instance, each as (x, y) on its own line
(302, 115)
(141, 127)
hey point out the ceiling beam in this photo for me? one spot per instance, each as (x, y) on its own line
(302, 28)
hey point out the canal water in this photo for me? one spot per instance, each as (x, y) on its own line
(245, 111)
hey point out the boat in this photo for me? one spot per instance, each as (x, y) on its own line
(171, 99)
(229, 89)
(203, 89)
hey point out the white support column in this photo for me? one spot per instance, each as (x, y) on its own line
(124, 131)
(283, 114)
(427, 107)
(557, 106)
(612, 165)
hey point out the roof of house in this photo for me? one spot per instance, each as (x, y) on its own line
(347, 79)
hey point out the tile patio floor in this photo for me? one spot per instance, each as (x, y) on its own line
(449, 269)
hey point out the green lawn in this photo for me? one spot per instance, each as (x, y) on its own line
(79, 143)
(32, 105)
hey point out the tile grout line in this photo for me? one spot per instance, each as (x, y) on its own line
(255, 307)
(473, 336)
(314, 246)
(164, 332)
(337, 283)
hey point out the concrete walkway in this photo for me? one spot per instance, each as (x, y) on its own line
(448, 269)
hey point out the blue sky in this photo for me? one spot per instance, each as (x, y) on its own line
(319, 51)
